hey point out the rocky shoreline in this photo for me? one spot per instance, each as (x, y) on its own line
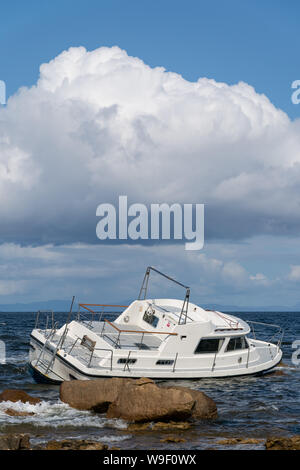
(22, 442)
(146, 408)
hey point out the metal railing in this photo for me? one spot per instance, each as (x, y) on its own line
(88, 315)
(277, 336)
(92, 356)
(91, 352)
(48, 337)
(119, 331)
(102, 349)
(48, 313)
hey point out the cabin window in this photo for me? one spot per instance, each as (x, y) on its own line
(239, 342)
(209, 345)
(124, 360)
(164, 362)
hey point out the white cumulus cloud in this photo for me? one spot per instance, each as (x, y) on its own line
(101, 123)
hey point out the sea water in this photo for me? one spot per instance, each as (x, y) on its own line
(250, 407)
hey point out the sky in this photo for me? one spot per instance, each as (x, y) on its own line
(164, 102)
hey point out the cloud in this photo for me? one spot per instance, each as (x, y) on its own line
(8, 288)
(225, 271)
(260, 278)
(53, 271)
(229, 274)
(294, 274)
(101, 123)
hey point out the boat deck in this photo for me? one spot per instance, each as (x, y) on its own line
(133, 337)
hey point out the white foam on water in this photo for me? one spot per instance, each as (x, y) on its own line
(57, 414)
(266, 408)
(103, 439)
(114, 438)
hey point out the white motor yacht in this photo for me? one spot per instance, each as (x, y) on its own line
(155, 338)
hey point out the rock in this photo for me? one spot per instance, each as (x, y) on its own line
(137, 400)
(142, 381)
(277, 373)
(204, 408)
(138, 427)
(18, 395)
(173, 439)
(239, 440)
(12, 412)
(282, 364)
(281, 443)
(159, 426)
(178, 426)
(148, 402)
(74, 444)
(94, 395)
(14, 442)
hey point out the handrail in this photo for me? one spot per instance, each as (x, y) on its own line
(102, 349)
(142, 331)
(93, 312)
(103, 305)
(174, 363)
(160, 307)
(127, 362)
(38, 314)
(214, 361)
(52, 331)
(280, 331)
(248, 356)
(48, 338)
(265, 324)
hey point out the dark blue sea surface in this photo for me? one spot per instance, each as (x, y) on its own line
(253, 407)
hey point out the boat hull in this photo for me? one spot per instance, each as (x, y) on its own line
(65, 368)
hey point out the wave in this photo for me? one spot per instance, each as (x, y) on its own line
(55, 415)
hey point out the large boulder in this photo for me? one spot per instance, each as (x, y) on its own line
(143, 400)
(18, 395)
(94, 395)
(137, 400)
(140, 401)
(283, 443)
(204, 407)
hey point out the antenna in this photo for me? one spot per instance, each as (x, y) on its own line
(145, 284)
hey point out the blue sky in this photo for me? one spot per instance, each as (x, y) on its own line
(90, 126)
(254, 41)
